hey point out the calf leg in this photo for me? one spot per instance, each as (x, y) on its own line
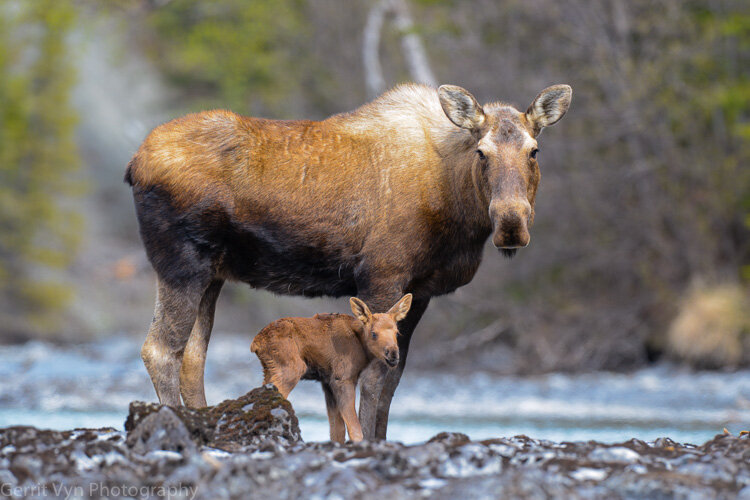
(174, 316)
(194, 358)
(345, 392)
(378, 383)
(335, 421)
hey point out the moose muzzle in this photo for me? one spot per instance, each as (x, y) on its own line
(510, 220)
(391, 356)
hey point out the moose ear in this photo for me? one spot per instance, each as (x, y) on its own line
(460, 107)
(360, 310)
(549, 106)
(401, 308)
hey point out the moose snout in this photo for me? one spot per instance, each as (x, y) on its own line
(511, 221)
(391, 355)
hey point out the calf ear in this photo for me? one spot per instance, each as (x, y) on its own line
(460, 107)
(401, 308)
(360, 310)
(549, 106)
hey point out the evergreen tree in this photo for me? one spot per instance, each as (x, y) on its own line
(37, 158)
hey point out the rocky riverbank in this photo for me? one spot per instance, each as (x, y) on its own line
(251, 448)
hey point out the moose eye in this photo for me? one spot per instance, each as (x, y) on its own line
(481, 154)
(534, 152)
(374, 336)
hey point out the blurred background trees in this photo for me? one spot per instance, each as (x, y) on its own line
(643, 211)
(38, 160)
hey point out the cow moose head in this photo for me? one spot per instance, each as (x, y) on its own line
(506, 155)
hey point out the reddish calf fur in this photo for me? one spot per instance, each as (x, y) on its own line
(333, 349)
(397, 196)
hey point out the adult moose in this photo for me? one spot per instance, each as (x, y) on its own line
(398, 196)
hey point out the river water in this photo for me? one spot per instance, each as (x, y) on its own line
(90, 385)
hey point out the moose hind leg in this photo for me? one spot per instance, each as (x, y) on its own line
(182, 244)
(174, 316)
(335, 421)
(194, 358)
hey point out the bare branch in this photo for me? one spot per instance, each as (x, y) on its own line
(411, 44)
(370, 49)
(444, 350)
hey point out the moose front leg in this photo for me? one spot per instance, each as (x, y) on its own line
(371, 382)
(378, 383)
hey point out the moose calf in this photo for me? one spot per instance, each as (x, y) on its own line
(333, 349)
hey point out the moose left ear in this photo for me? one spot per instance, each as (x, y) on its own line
(549, 106)
(461, 107)
(401, 308)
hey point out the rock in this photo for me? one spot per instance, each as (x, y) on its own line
(262, 415)
(589, 474)
(250, 448)
(451, 438)
(614, 454)
(161, 430)
(260, 418)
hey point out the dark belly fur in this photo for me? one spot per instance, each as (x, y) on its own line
(203, 242)
(282, 264)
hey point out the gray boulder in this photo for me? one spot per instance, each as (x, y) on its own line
(260, 418)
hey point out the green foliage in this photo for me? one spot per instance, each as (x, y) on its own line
(725, 75)
(231, 53)
(37, 156)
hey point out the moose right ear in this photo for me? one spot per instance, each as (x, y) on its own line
(549, 106)
(360, 310)
(460, 107)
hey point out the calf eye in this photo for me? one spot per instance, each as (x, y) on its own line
(534, 152)
(481, 154)
(374, 336)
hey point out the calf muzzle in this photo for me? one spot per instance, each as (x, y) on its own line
(391, 357)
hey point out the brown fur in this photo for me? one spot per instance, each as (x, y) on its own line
(393, 197)
(331, 348)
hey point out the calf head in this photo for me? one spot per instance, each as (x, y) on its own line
(506, 155)
(380, 332)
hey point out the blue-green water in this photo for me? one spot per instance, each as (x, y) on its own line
(91, 385)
